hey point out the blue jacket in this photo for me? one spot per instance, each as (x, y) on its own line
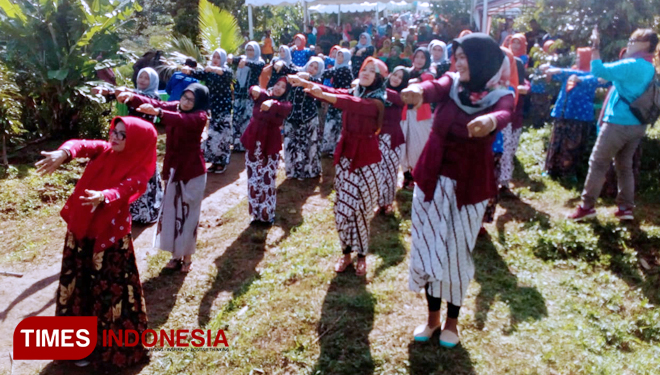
(630, 77)
(300, 58)
(177, 84)
(577, 104)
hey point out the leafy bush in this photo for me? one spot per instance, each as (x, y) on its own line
(54, 46)
(567, 239)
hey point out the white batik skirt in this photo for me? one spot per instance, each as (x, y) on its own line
(389, 167)
(443, 237)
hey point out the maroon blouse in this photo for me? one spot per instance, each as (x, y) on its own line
(265, 126)
(450, 152)
(392, 119)
(184, 130)
(358, 141)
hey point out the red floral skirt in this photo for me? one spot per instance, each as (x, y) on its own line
(106, 285)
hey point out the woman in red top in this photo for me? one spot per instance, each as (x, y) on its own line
(99, 274)
(454, 176)
(183, 168)
(416, 124)
(357, 157)
(263, 141)
(391, 138)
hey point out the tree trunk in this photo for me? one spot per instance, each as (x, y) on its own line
(5, 161)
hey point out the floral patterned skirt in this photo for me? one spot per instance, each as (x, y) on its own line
(262, 178)
(539, 110)
(106, 285)
(302, 156)
(145, 209)
(567, 147)
(220, 137)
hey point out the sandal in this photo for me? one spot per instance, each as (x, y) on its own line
(361, 268)
(186, 266)
(173, 264)
(342, 264)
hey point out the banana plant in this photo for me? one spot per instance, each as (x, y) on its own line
(10, 124)
(55, 48)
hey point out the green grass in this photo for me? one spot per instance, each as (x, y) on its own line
(549, 296)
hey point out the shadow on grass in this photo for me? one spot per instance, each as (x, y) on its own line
(215, 182)
(237, 264)
(521, 179)
(386, 241)
(518, 210)
(346, 320)
(160, 294)
(493, 275)
(429, 358)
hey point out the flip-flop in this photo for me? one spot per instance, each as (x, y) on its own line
(341, 265)
(186, 266)
(361, 267)
(173, 264)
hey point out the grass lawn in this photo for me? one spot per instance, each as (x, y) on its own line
(549, 296)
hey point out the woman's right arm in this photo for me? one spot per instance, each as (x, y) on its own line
(137, 100)
(436, 90)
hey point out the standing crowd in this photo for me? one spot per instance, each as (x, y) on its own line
(449, 115)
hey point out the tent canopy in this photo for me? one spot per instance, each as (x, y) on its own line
(355, 7)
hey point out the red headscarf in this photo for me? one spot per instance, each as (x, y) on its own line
(137, 162)
(381, 68)
(523, 43)
(464, 33)
(507, 41)
(302, 37)
(585, 59)
(335, 47)
(511, 76)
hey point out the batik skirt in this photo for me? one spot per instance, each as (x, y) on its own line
(262, 189)
(145, 209)
(302, 156)
(220, 137)
(356, 198)
(242, 112)
(511, 140)
(106, 285)
(416, 134)
(331, 130)
(567, 147)
(389, 167)
(177, 227)
(443, 238)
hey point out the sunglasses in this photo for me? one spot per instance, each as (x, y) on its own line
(119, 135)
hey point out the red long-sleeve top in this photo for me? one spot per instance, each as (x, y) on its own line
(184, 130)
(264, 127)
(358, 141)
(450, 152)
(392, 119)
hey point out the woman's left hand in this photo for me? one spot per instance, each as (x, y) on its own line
(481, 126)
(314, 91)
(148, 109)
(93, 198)
(265, 106)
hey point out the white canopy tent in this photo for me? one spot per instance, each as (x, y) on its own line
(339, 3)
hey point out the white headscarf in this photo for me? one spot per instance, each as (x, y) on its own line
(223, 57)
(152, 89)
(242, 73)
(287, 54)
(347, 58)
(442, 44)
(321, 64)
(359, 45)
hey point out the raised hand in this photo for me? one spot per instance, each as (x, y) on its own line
(255, 91)
(265, 106)
(51, 161)
(295, 80)
(148, 109)
(413, 95)
(314, 91)
(93, 198)
(481, 126)
(124, 97)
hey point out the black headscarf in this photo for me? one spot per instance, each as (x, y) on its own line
(484, 59)
(404, 80)
(416, 73)
(201, 94)
(286, 92)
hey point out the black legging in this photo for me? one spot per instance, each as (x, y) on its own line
(434, 305)
(348, 250)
